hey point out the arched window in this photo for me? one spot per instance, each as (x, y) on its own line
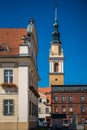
(56, 67)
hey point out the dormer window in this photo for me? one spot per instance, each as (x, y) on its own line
(3, 48)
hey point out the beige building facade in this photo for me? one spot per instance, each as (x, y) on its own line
(18, 78)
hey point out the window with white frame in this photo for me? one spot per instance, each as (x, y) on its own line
(8, 76)
(71, 120)
(8, 107)
(63, 98)
(82, 98)
(55, 98)
(56, 109)
(47, 110)
(83, 120)
(82, 108)
(70, 109)
(63, 109)
(70, 98)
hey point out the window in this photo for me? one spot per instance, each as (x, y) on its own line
(70, 98)
(8, 107)
(39, 110)
(30, 107)
(83, 120)
(56, 67)
(8, 76)
(63, 98)
(82, 109)
(63, 109)
(71, 120)
(56, 109)
(55, 99)
(47, 110)
(82, 98)
(70, 109)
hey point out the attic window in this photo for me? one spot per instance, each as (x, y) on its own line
(3, 48)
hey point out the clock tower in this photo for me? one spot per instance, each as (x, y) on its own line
(56, 58)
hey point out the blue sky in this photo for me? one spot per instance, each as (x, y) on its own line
(72, 20)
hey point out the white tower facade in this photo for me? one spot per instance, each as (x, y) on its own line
(56, 57)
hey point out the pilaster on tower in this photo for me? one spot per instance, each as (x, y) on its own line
(56, 57)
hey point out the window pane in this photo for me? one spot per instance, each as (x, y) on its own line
(11, 72)
(11, 102)
(5, 72)
(11, 109)
(5, 79)
(5, 102)
(11, 79)
(5, 110)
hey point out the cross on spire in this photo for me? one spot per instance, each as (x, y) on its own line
(56, 13)
(55, 33)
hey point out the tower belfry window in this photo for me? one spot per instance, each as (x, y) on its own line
(56, 67)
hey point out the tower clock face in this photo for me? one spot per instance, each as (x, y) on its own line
(56, 79)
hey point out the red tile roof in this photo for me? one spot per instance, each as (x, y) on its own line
(47, 92)
(12, 38)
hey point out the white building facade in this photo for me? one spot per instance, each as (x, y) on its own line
(18, 78)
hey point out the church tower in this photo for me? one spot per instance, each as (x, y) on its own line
(56, 58)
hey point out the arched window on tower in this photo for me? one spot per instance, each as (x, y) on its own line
(56, 67)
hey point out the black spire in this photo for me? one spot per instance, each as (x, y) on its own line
(55, 33)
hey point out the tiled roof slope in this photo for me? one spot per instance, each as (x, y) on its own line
(12, 38)
(47, 92)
